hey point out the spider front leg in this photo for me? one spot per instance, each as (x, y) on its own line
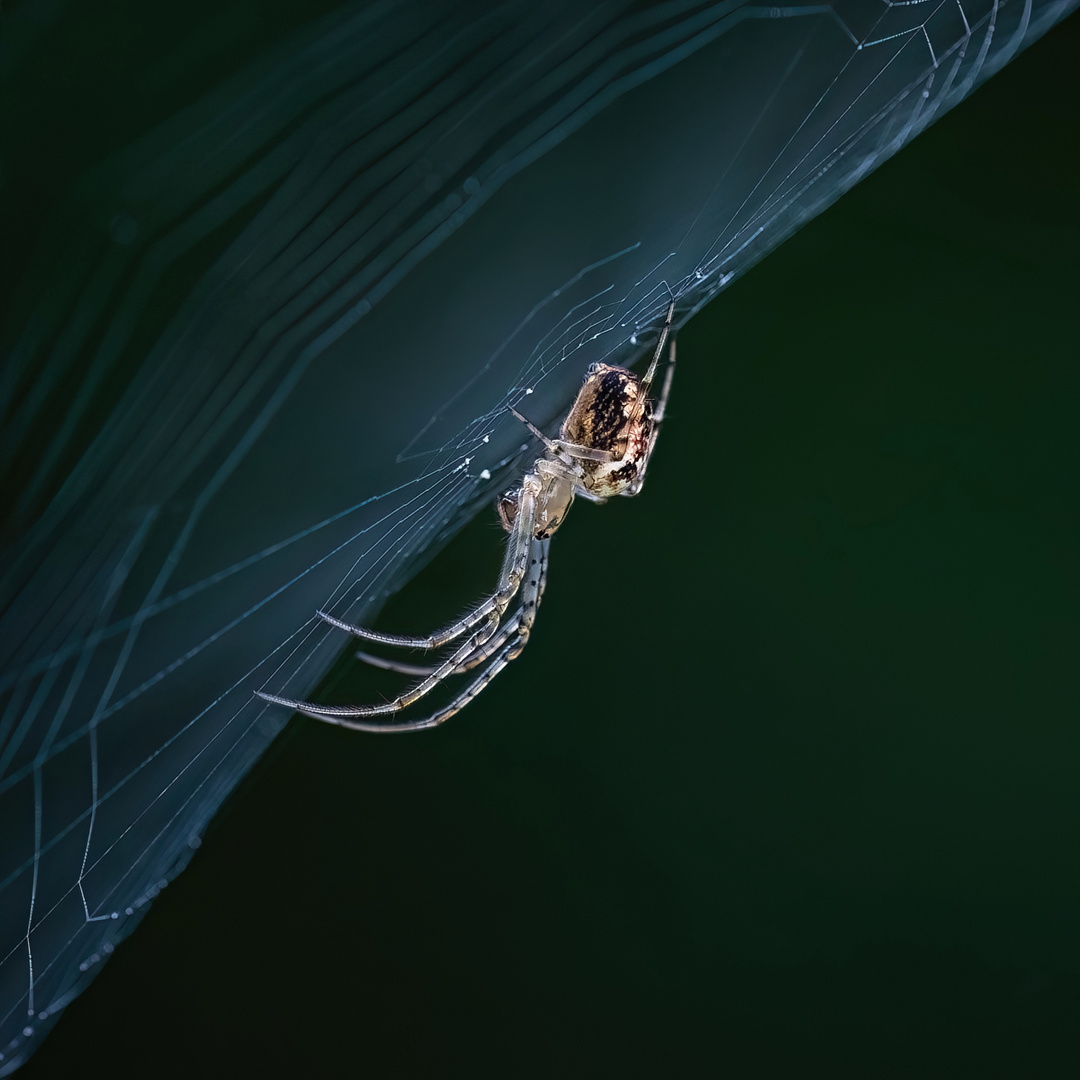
(340, 714)
(514, 570)
(661, 341)
(660, 409)
(480, 654)
(513, 627)
(512, 642)
(493, 608)
(657, 418)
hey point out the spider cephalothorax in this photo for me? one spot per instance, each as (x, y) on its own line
(603, 449)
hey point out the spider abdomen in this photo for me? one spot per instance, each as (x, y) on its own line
(609, 415)
(604, 404)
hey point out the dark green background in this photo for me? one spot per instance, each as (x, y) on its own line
(786, 782)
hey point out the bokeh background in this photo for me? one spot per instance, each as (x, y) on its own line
(786, 781)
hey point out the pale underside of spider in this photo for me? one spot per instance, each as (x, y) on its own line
(603, 449)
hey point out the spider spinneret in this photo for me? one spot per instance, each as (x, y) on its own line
(603, 449)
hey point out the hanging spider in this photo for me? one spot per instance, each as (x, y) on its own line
(603, 449)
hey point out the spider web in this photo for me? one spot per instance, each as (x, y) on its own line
(506, 194)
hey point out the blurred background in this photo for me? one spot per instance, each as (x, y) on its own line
(785, 783)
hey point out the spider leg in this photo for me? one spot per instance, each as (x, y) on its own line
(332, 713)
(557, 467)
(489, 648)
(561, 448)
(658, 416)
(516, 569)
(481, 653)
(549, 443)
(522, 619)
(493, 608)
(455, 706)
(394, 665)
(477, 656)
(433, 641)
(531, 591)
(583, 453)
(661, 341)
(661, 403)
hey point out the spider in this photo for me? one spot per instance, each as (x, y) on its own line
(603, 449)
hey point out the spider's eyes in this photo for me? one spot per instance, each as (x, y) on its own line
(591, 370)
